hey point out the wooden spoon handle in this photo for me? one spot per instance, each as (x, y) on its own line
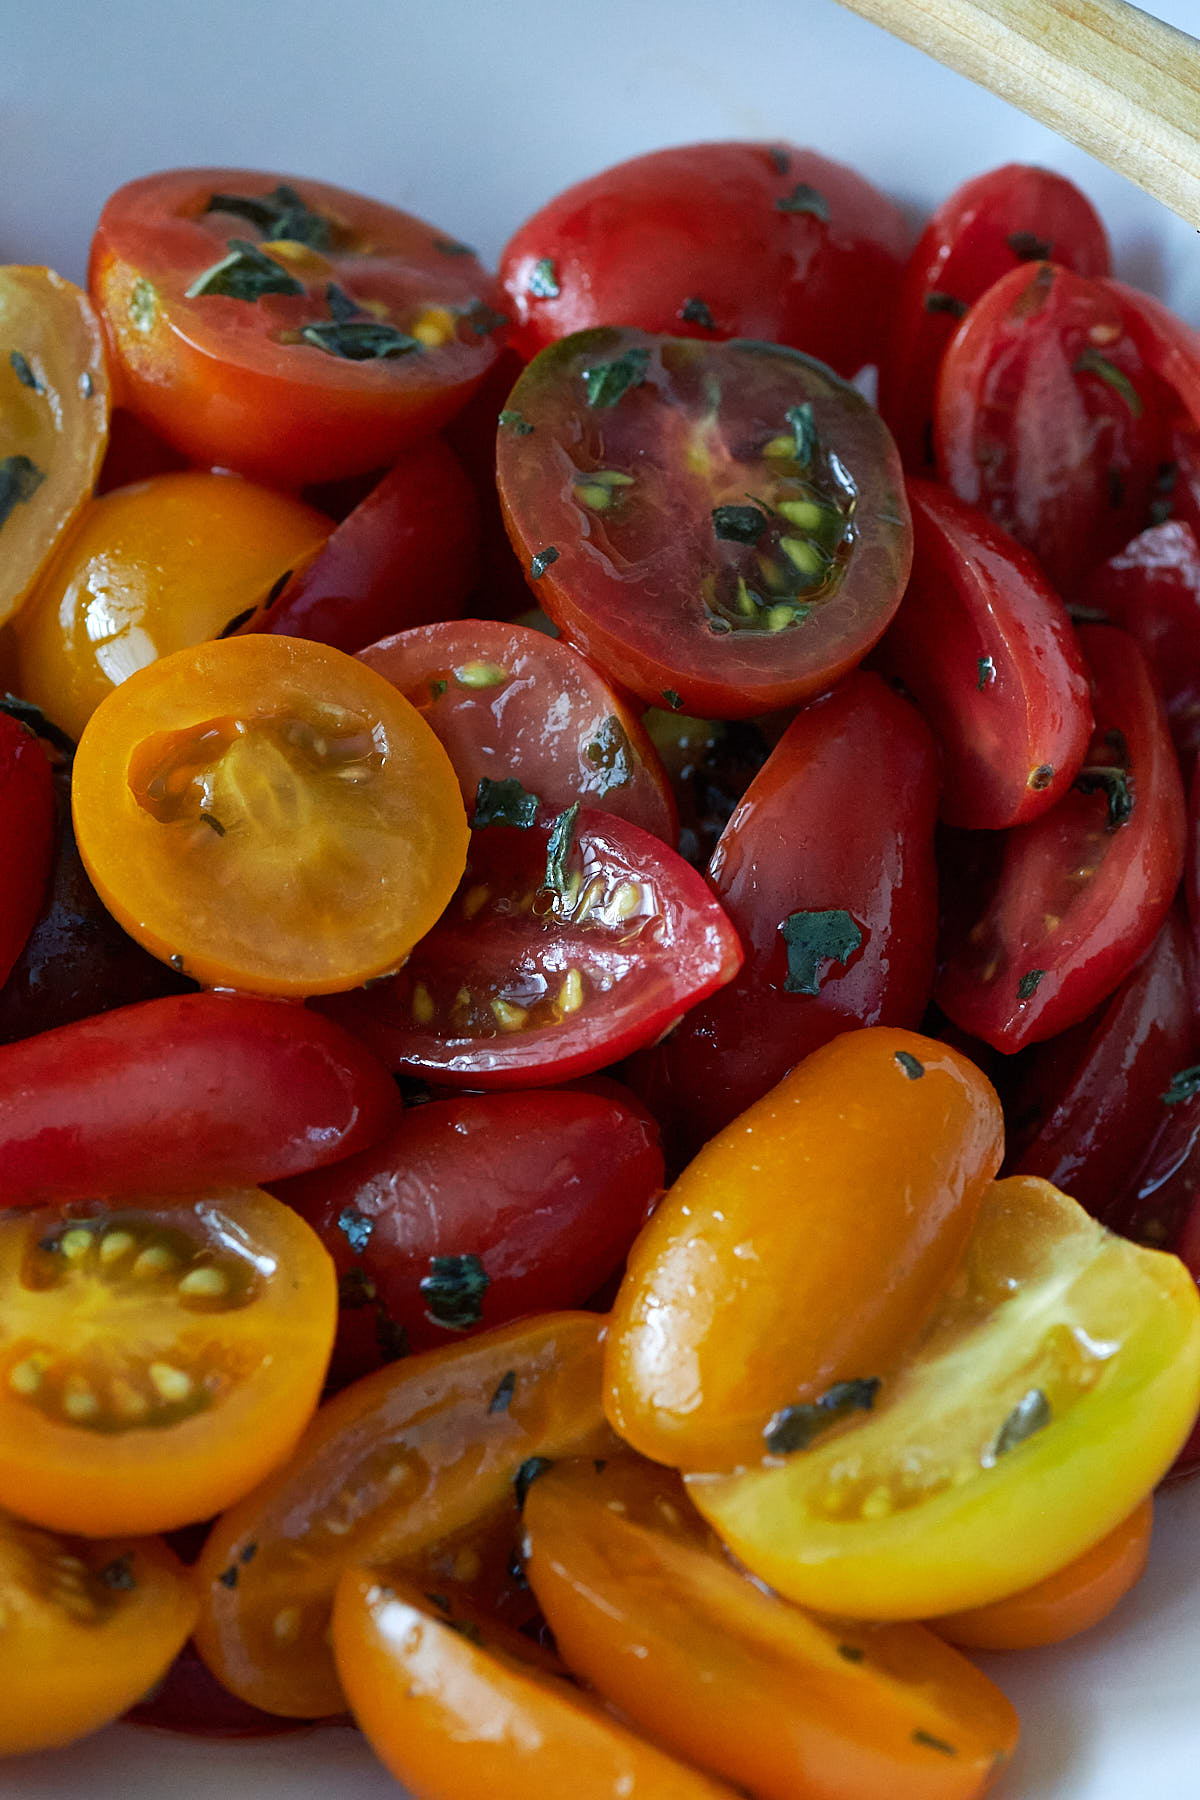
(1115, 81)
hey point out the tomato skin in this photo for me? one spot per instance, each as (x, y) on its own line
(712, 222)
(185, 1092)
(221, 379)
(967, 245)
(986, 648)
(811, 834)
(789, 1256)
(1037, 952)
(546, 1189)
(1151, 589)
(27, 830)
(190, 1701)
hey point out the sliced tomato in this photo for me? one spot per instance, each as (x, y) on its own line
(513, 705)
(266, 813)
(285, 328)
(566, 947)
(722, 526)
(156, 1360)
(1151, 589)
(986, 648)
(1051, 1391)
(88, 1627)
(1080, 893)
(27, 833)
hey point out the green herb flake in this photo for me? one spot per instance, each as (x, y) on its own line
(356, 1227)
(526, 1475)
(558, 848)
(483, 318)
(437, 688)
(804, 199)
(20, 479)
(249, 1553)
(739, 524)
(1028, 985)
(229, 1577)
(815, 940)
(540, 561)
(238, 620)
(1090, 362)
(246, 273)
(611, 754)
(543, 280)
(851, 1653)
(506, 1388)
(276, 588)
(985, 672)
(454, 1290)
(933, 1743)
(279, 216)
(1031, 1414)
(1029, 248)
(23, 372)
(673, 700)
(1185, 1084)
(938, 302)
(795, 1427)
(391, 1339)
(143, 305)
(503, 803)
(359, 340)
(356, 1290)
(341, 306)
(516, 422)
(780, 158)
(211, 820)
(606, 383)
(1114, 783)
(911, 1067)
(118, 1574)
(804, 432)
(451, 247)
(695, 311)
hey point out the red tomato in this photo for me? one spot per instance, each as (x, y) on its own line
(27, 832)
(987, 227)
(986, 648)
(720, 526)
(1151, 589)
(1052, 418)
(829, 879)
(1081, 892)
(512, 705)
(714, 240)
(565, 948)
(478, 1209)
(183, 1093)
(288, 329)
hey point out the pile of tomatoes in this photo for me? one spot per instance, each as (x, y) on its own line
(582, 893)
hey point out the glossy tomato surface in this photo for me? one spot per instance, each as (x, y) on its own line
(1151, 589)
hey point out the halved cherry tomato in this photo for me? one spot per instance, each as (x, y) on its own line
(1151, 589)
(88, 1627)
(720, 525)
(827, 871)
(54, 405)
(986, 648)
(714, 240)
(1081, 892)
(27, 833)
(659, 1623)
(453, 1705)
(156, 1360)
(513, 705)
(791, 1265)
(267, 813)
(1062, 1605)
(150, 569)
(1057, 1380)
(566, 947)
(182, 1093)
(404, 1460)
(191, 1701)
(291, 330)
(987, 227)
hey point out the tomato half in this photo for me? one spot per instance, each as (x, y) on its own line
(88, 1627)
(720, 525)
(285, 328)
(156, 1360)
(1054, 1386)
(266, 813)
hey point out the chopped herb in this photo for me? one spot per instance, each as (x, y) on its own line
(505, 1390)
(541, 560)
(276, 588)
(356, 1290)
(599, 1463)
(212, 821)
(516, 422)
(454, 1290)
(35, 720)
(673, 700)
(341, 306)
(1028, 247)
(391, 1339)
(985, 672)
(695, 311)
(739, 524)
(118, 1574)
(1160, 512)
(804, 431)
(143, 305)
(24, 373)
(359, 340)
(437, 688)
(1028, 984)
(794, 1427)
(814, 939)
(451, 247)
(1041, 777)
(527, 1474)
(1031, 1414)
(356, 1228)
(237, 621)
(851, 1652)
(912, 1068)
(804, 199)
(503, 803)
(933, 1743)
(246, 273)
(280, 215)
(1087, 615)
(1089, 361)
(1184, 1084)
(938, 302)
(249, 1553)
(20, 479)
(611, 753)
(558, 848)
(1114, 784)
(482, 319)
(229, 1577)
(606, 383)
(543, 281)
(781, 158)
(1031, 299)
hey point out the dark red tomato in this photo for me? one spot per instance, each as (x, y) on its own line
(827, 870)
(1151, 589)
(408, 553)
(986, 648)
(1166, 343)
(183, 1093)
(191, 1702)
(987, 227)
(134, 453)
(714, 240)
(1081, 893)
(1096, 1091)
(291, 330)
(710, 763)
(511, 705)
(27, 832)
(720, 526)
(502, 591)
(1051, 419)
(478, 1209)
(1179, 478)
(565, 948)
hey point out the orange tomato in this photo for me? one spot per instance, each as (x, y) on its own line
(267, 813)
(801, 1251)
